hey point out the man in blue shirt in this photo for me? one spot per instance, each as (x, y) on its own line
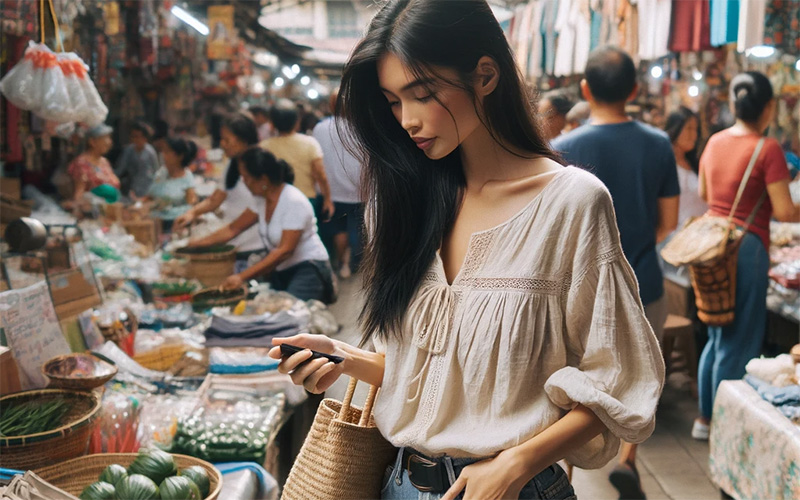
(637, 165)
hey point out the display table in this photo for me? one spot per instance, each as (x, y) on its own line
(754, 449)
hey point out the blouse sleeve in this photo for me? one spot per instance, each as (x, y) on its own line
(614, 364)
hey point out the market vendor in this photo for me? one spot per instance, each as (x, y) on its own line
(137, 166)
(91, 171)
(239, 132)
(174, 183)
(297, 261)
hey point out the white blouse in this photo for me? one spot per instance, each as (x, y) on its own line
(544, 314)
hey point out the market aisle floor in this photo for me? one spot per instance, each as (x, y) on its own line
(672, 465)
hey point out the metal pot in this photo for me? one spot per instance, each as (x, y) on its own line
(25, 234)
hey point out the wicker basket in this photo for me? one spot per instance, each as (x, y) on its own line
(61, 372)
(163, 358)
(209, 298)
(75, 475)
(68, 441)
(211, 266)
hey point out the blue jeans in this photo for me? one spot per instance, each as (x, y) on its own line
(550, 484)
(730, 347)
(348, 218)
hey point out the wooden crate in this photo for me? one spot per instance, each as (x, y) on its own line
(147, 232)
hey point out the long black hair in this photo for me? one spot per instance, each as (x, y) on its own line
(676, 121)
(414, 200)
(184, 148)
(261, 163)
(246, 130)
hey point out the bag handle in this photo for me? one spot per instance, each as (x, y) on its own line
(348, 399)
(742, 186)
(55, 23)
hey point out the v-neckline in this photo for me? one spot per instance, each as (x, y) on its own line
(474, 235)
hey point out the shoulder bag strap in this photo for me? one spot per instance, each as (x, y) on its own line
(743, 184)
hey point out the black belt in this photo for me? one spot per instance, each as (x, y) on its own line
(426, 474)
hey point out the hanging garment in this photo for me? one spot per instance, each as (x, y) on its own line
(628, 27)
(574, 33)
(534, 48)
(691, 26)
(654, 23)
(549, 35)
(751, 24)
(724, 21)
(597, 23)
(782, 25)
(608, 26)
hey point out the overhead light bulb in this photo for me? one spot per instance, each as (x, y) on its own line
(279, 82)
(761, 51)
(305, 80)
(190, 20)
(694, 91)
(697, 75)
(797, 65)
(312, 94)
(656, 72)
(295, 69)
(259, 88)
(288, 73)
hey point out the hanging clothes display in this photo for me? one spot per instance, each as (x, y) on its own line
(782, 25)
(549, 35)
(574, 37)
(654, 24)
(628, 27)
(724, 21)
(608, 22)
(534, 44)
(691, 26)
(751, 24)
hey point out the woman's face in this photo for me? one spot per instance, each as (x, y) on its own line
(171, 158)
(101, 145)
(687, 139)
(436, 128)
(255, 186)
(230, 144)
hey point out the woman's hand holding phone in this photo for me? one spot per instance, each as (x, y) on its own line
(315, 375)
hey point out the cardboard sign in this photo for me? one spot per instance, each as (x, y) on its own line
(31, 327)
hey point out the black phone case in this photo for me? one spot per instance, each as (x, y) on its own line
(288, 349)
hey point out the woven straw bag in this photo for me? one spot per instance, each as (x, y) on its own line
(710, 247)
(344, 455)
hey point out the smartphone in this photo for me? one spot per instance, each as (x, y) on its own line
(288, 349)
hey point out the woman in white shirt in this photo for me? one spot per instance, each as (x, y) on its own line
(682, 127)
(297, 261)
(508, 324)
(238, 133)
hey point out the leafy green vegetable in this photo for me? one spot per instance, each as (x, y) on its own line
(137, 487)
(32, 417)
(198, 476)
(113, 474)
(154, 464)
(179, 488)
(99, 491)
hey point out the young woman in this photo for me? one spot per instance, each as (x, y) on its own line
(91, 171)
(174, 183)
(507, 324)
(722, 168)
(297, 261)
(238, 133)
(682, 127)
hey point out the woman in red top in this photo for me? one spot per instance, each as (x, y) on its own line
(91, 169)
(722, 169)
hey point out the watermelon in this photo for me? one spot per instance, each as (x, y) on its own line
(179, 488)
(113, 474)
(99, 491)
(137, 487)
(154, 464)
(198, 476)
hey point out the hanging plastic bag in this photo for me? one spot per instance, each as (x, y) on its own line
(74, 71)
(95, 112)
(20, 85)
(55, 103)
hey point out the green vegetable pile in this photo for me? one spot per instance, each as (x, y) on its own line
(153, 475)
(236, 438)
(32, 417)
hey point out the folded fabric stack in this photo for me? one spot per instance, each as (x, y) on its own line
(257, 332)
(786, 399)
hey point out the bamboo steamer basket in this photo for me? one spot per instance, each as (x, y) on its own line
(210, 266)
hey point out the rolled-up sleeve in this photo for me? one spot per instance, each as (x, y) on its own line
(615, 367)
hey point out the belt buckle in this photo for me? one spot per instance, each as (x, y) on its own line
(424, 462)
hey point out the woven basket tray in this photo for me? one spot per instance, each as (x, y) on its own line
(209, 298)
(75, 475)
(60, 371)
(63, 443)
(162, 358)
